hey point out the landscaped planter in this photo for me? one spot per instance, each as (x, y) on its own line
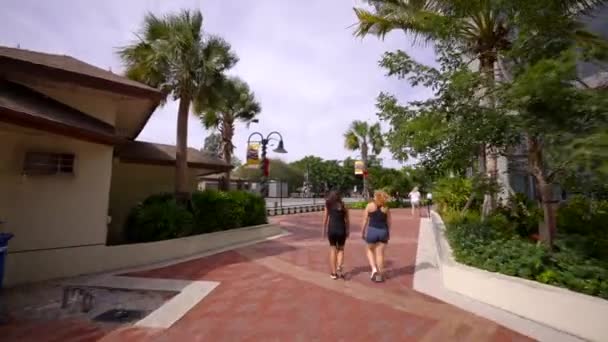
(67, 262)
(575, 313)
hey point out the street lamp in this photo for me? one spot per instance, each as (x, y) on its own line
(264, 165)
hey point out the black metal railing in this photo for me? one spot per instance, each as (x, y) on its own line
(294, 209)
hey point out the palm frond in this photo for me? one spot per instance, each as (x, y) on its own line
(375, 138)
(351, 141)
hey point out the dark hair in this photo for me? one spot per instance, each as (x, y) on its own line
(334, 200)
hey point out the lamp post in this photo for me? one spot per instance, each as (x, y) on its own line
(264, 165)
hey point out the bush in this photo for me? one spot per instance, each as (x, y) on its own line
(523, 214)
(159, 217)
(452, 193)
(495, 246)
(586, 220)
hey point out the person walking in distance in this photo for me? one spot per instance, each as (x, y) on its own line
(376, 233)
(336, 227)
(414, 196)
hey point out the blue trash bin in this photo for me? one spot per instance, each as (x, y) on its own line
(4, 237)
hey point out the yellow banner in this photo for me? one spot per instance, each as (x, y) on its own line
(253, 154)
(359, 167)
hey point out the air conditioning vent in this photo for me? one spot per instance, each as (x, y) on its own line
(44, 163)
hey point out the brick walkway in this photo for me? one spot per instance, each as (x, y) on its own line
(280, 290)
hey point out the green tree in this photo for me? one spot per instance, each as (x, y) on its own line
(174, 54)
(235, 102)
(481, 30)
(213, 144)
(360, 137)
(279, 170)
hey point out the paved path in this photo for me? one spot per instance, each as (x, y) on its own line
(280, 290)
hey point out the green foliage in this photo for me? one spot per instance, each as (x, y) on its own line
(363, 205)
(586, 221)
(579, 262)
(523, 213)
(159, 217)
(495, 246)
(452, 193)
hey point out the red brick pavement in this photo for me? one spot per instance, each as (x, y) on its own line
(279, 290)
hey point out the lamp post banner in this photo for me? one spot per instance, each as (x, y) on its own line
(253, 154)
(359, 167)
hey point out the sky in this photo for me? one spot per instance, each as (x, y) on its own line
(310, 74)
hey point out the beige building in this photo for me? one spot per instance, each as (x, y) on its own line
(70, 168)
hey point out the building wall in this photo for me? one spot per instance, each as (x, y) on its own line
(131, 184)
(54, 211)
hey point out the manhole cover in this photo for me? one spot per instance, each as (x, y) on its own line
(120, 316)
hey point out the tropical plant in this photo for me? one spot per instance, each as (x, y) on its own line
(361, 136)
(235, 102)
(173, 53)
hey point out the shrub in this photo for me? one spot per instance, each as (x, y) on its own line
(494, 246)
(159, 217)
(452, 193)
(585, 221)
(523, 214)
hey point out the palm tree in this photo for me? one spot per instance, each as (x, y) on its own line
(174, 54)
(235, 102)
(360, 136)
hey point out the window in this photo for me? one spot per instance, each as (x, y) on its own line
(42, 163)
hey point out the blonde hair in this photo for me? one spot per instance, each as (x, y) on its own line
(380, 198)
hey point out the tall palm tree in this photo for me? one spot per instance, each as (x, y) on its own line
(174, 54)
(360, 136)
(234, 102)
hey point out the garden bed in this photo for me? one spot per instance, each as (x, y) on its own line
(562, 309)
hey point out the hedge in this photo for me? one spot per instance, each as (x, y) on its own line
(160, 217)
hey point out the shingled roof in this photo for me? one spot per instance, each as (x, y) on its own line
(142, 152)
(67, 68)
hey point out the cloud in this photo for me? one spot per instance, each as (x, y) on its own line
(310, 74)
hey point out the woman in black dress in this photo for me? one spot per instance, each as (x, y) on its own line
(336, 229)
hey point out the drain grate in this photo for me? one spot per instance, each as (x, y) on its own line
(120, 316)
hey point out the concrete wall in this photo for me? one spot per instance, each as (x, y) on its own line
(55, 210)
(131, 184)
(60, 263)
(571, 312)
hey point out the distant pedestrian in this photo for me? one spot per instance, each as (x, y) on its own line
(414, 196)
(376, 233)
(336, 228)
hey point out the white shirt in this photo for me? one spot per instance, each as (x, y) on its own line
(415, 196)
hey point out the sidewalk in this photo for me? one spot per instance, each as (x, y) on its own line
(280, 290)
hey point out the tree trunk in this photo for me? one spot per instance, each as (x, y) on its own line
(366, 191)
(489, 199)
(481, 171)
(182, 189)
(227, 147)
(548, 228)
